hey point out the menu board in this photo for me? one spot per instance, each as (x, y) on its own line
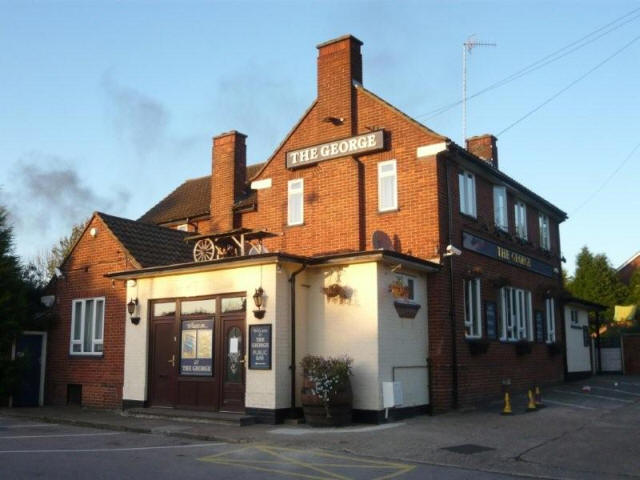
(539, 320)
(260, 347)
(196, 353)
(491, 318)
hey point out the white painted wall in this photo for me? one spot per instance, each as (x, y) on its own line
(403, 341)
(578, 356)
(264, 388)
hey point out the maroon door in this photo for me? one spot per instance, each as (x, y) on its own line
(233, 364)
(164, 362)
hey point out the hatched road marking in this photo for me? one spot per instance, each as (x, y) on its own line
(591, 395)
(563, 404)
(309, 464)
(626, 392)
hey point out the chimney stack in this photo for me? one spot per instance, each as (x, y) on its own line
(228, 178)
(339, 64)
(484, 146)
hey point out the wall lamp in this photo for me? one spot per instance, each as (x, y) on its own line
(333, 120)
(258, 299)
(131, 308)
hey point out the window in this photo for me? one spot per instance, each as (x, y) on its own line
(472, 309)
(467, 186)
(500, 208)
(521, 220)
(296, 202)
(545, 239)
(87, 326)
(550, 308)
(574, 317)
(516, 314)
(387, 186)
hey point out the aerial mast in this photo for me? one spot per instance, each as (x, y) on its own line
(466, 48)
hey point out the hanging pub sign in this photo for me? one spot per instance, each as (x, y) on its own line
(367, 142)
(197, 348)
(260, 347)
(493, 250)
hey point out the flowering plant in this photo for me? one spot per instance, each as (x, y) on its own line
(328, 376)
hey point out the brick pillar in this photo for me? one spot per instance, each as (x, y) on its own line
(228, 178)
(484, 146)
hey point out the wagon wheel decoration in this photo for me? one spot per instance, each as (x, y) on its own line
(203, 250)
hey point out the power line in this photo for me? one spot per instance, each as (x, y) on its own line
(561, 91)
(546, 60)
(613, 174)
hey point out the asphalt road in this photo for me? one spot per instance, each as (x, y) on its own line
(34, 450)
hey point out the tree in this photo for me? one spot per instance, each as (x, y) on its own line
(596, 280)
(42, 268)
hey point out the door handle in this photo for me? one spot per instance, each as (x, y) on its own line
(173, 360)
(244, 359)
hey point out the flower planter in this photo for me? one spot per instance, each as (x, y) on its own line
(477, 347)
(406, 309)
(336, 414)
(523, 347)
(554, 348)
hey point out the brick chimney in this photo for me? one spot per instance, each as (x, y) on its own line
(484, 146)
(228, 177)
(339, 64)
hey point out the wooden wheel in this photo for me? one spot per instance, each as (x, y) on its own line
(203, 250)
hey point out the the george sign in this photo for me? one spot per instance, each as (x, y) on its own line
(491, 319)
(539, 321)
(367, 142)
(196, 348)
(260, 347)
(493, 250)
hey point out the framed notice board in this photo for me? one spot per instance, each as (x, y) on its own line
(491, 319)
(260, 347)
(539, 321)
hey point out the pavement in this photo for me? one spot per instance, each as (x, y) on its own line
(582, 433)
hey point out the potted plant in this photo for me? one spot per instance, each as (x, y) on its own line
(398, 289)
(327, 399)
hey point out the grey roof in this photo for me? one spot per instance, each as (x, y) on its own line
(149, 244)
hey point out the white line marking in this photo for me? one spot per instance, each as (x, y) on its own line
(572, 405)
(630, 383)
(129, 449)
(30, 425)
(310, 430)
(591, 395)
(61, 435)
(626, 392)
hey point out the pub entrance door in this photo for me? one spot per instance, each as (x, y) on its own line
(196, 354)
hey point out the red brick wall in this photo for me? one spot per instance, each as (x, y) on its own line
(101, 377)
(631, 347)
(228, 175)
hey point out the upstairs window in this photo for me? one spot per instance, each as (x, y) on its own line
(545, 237)
(500, 208)
(467, 187)
(295, 204)
(521, 220)
(516, 313)
(472, 309)
(550, 307)
(387, 186)
(87, 326)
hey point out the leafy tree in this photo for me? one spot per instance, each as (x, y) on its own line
(596, 280)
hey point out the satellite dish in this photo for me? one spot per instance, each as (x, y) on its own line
(258, 249)
(381, 241)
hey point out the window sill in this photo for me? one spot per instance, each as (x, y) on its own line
(468, 216)
(87, 355)
(295, 225)
(391, 210)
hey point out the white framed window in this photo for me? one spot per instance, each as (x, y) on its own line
(516, 314)
(500, 216)
(467, 187)
(87, 326)
(550, 311)
(472, 309)
(183, 227)
(521, 219)
(545, 237)
(295, 204)
(387, 186)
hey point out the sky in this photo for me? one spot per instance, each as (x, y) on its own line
(110, 106)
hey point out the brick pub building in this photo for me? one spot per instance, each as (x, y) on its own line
(357, 199)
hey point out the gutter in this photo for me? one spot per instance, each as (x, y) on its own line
(292, 286)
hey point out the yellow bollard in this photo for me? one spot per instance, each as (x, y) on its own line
(538, 397)
(507, 405)
(531, 406)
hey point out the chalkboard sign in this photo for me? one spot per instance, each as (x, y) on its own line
(539, 317)
(260, 347)
(491, 318)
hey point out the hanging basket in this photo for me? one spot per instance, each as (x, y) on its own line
(406, 309)
(335, 290)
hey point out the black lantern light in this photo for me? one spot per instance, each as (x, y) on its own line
(131, 308)
(258, 298)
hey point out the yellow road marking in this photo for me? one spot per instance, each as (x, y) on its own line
(303, 464)
(270, 470)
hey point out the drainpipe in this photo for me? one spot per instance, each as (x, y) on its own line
(452, 315)
(292, 286)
